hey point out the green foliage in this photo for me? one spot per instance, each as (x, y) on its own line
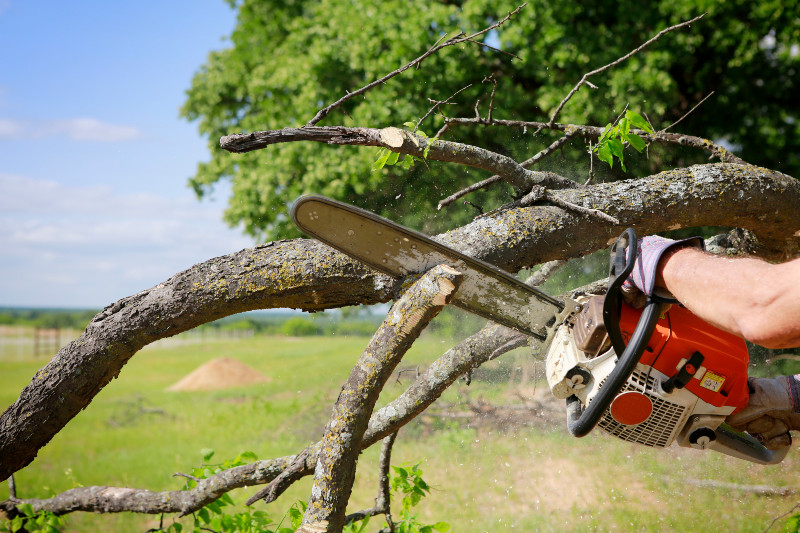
(216, 516)
(299, 327)
(33, 522)
(288, 59)
(611, 143)
(47, 318)
(792, 524)
(407, 480)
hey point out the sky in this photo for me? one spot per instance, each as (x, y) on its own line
(94, 158)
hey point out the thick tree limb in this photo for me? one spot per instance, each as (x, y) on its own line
(307, 275)
(336, 462)
(300, 274)
(402, 142)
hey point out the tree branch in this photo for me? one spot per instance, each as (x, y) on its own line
(336, 462)
(594, 132)
(402, 142)
(382, 502)
(307, 275)
(585, 78)
(458, 39)
(525, 164)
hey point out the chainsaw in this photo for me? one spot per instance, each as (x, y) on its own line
(655, 376)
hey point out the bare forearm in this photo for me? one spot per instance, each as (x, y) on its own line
(750, 298)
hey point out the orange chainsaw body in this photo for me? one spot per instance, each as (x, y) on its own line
(721, 380)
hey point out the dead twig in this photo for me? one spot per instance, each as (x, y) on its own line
(594, 132)
(759, 490)
(544, 272)
(698, 104)
(494, 179)
(437, 104)
(442, 43)
(585, 78)
(382, 502)
(784, 515)
(284, 480)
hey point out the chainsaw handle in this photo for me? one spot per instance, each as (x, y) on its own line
(619, 268)
(579, 421)
(743, 446)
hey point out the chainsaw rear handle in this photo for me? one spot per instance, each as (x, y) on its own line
(579, 421)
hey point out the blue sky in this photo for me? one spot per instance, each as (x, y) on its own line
(94, 160)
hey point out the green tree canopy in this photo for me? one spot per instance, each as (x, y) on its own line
(289, 58)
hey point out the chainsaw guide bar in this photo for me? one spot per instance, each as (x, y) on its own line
(400, 252)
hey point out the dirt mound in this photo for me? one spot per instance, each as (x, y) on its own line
(221, 373)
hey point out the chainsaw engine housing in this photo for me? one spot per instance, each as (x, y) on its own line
(689, 378)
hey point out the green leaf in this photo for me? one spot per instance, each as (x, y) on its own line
(606, 134)
(208, 453)
(247, 456)
(410, 124)
(604, 154)
(616, 147)
(16, 524)
(441, 526)
(383, 155)
(26, 509)
(393, 157)
(638, 121)
(636, 141)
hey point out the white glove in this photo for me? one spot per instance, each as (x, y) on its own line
(773, 410)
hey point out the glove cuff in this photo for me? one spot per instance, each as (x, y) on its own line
(793, 383)
(651, 249)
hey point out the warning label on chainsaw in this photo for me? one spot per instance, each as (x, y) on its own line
(712, 381)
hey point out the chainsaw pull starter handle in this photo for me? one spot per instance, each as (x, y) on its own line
(581, 421)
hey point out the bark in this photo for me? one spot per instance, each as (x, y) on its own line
(336, 462)
(403, 142)
(307, 275)
(594, 132)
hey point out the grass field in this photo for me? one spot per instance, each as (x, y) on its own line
(491, 478)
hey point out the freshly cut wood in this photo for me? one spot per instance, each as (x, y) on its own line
(220, 373)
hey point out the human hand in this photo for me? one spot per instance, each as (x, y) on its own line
(642, 281)
(773, 410)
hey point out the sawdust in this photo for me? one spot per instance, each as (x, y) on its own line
(220, 373)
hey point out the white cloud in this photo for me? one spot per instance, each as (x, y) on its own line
(76, 129)
(89, 246)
